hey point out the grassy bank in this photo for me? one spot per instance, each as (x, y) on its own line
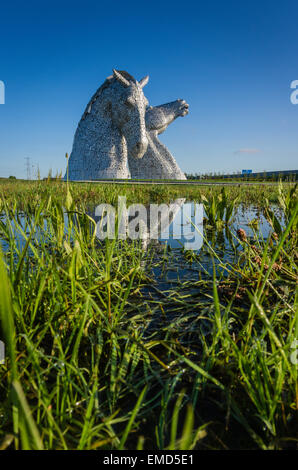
(22, 193)
(99, 356)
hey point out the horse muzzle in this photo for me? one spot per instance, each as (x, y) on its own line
(139, 149)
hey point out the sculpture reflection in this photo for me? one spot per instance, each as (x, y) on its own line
(178, 224)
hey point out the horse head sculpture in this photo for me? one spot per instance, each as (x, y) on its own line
(112, 126)
(128, 112)
(117, 136)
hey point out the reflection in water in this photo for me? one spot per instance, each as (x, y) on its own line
(155, 226)
(174, 226)
(179, 223)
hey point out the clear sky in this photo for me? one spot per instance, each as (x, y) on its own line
(232, 61)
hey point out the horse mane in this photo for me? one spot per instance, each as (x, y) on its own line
(108, 81)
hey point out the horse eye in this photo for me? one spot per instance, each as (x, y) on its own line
(129, 103)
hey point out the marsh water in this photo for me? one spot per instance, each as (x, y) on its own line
(185, 244)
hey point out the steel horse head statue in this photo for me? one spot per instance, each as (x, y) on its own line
(117, 135)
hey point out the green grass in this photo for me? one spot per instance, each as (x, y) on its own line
(100, 356)
(28, 194)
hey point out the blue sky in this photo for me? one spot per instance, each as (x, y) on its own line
(232, 61)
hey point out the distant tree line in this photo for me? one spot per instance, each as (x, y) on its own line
(289, 175)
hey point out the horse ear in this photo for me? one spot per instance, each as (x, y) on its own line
(144, 81)
(121, 79)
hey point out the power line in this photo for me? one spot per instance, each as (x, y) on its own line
(28, 168)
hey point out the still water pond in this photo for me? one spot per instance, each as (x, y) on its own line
(182, 240)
